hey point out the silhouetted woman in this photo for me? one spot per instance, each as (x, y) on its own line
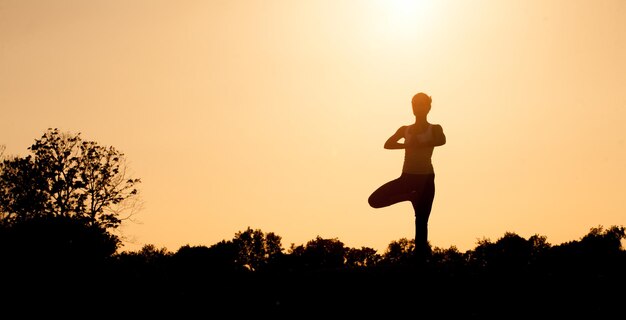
(417, 180)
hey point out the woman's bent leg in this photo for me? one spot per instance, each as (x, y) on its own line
(390, 193)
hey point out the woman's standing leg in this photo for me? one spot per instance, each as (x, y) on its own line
(422, 204)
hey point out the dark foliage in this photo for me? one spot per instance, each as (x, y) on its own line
(55, 241)
(65, 176)
(251, 275)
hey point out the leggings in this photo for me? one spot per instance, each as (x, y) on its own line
(420, 190)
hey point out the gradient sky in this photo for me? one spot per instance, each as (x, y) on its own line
(272, 114)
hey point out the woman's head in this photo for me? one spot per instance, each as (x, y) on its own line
(421, 103)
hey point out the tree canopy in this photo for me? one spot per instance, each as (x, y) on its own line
(66, 176)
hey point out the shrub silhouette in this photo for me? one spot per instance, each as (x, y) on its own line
(362, 257)
(320, 253)
(47, 242)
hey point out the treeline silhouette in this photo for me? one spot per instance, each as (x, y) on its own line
(66, 263)
(60, 256)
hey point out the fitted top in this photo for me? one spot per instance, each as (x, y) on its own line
(417, 160)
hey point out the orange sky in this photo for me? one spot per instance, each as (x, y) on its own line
(273, 113)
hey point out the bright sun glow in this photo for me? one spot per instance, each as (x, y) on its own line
(410, 9)
(406, 17)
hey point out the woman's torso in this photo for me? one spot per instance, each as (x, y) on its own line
(417, 160)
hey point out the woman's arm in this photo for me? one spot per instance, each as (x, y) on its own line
(439, 138)
(392, 142)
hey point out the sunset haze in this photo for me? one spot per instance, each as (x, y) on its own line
(273, 114)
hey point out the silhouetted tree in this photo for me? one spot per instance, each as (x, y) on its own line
(399, 251)
(363, 257)
(600, 241)
(597, 253)
(151, 254)
(22, 191)
(149, 260)
(451, 260)
(67, 177)
(60, 203)
(320, 253)
(511, 253)
(220, 257)
(256, 249)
